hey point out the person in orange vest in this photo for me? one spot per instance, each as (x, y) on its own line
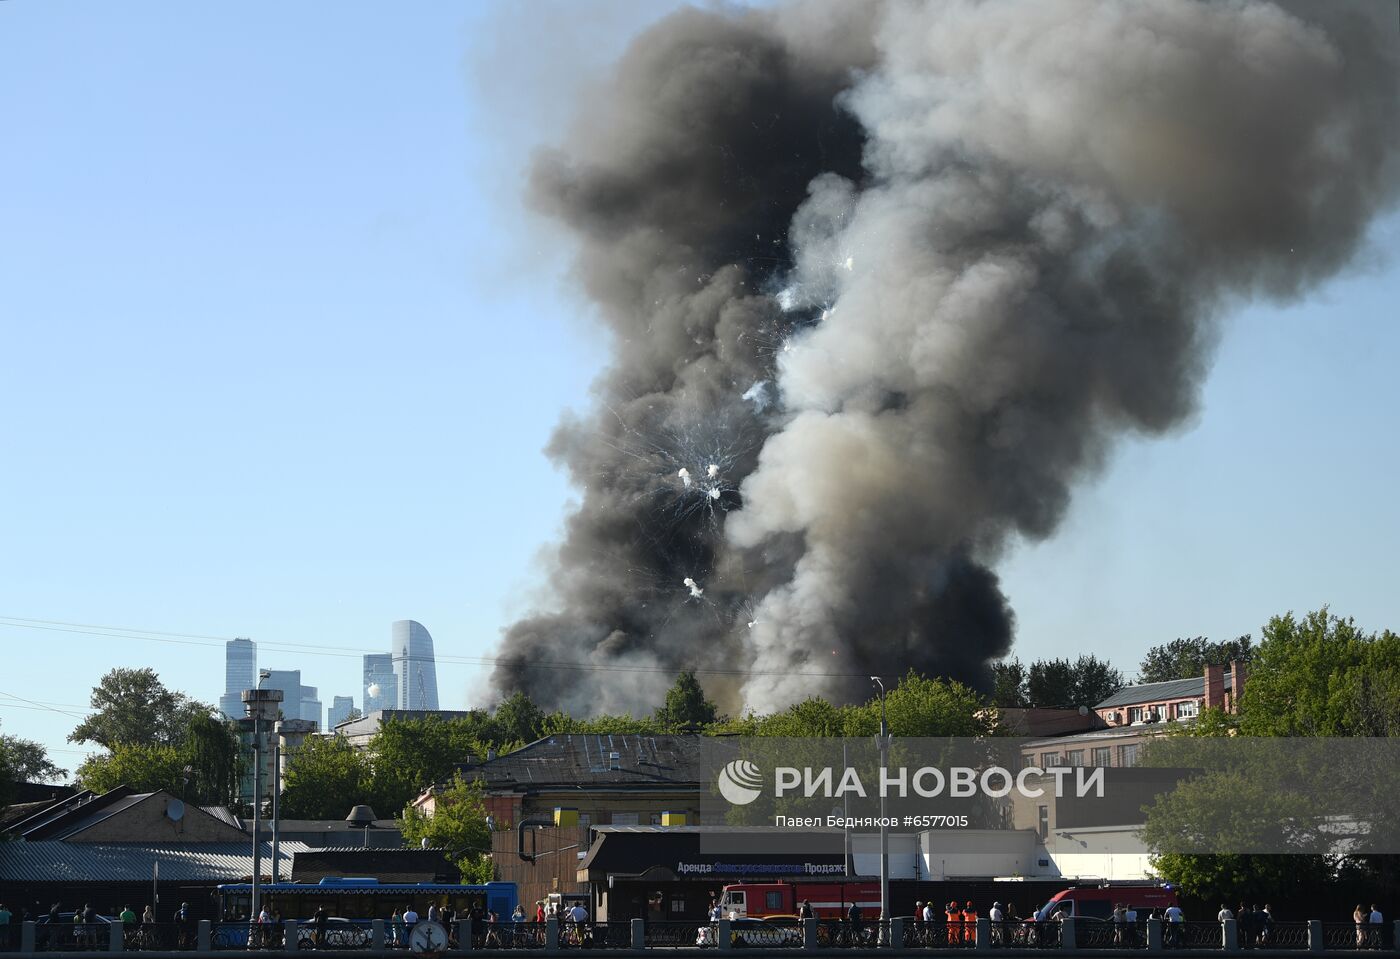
(954, 915)
(969, 922)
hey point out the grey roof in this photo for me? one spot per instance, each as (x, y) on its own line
(56, 816)
(1067, 740)
(1159, 692)
(224, 815)
(53, 861)
(572, 759)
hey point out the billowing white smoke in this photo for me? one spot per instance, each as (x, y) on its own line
(886, 280)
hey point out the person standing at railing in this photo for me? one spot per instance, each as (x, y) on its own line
(1377, 924)
(318, 927)
(952, 918)
(1360, 918)
(1266, 925)
(969, 927)
(1175, 921)
(998, 919)
(1130, 922)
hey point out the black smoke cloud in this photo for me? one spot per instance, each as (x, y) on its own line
(884, 282)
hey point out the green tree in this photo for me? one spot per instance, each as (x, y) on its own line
(132, 707)
(1065, 685)
(919, 706)
(686, 705)
(1315, 676)
(457, 826)
(212, 752)
(1009, 684)
(145, 767)
(409, 755)
(1227, 877)
(1188, 658)
(326, 778)
(1322, 675)
(23, 760)
(518, 721)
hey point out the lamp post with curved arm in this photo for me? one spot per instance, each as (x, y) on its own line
(884, 743)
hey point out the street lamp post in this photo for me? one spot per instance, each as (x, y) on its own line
(884, 830)
(261, 704)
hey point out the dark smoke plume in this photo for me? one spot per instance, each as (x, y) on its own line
(885, 282)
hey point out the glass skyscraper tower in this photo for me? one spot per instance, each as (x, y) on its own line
(379, 676)
(240, 673)
(415, 669)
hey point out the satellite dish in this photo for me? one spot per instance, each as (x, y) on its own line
(175, 810)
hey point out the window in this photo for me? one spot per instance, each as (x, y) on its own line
(1043, 822)
(773, 901)
(1101, 756)
(1134, 714)
(624, 819)
(656, 819)
(1127, 755)
(1188, 710)
(1028, 761)
(1049, 759)
(1076, 757)
(584, 819)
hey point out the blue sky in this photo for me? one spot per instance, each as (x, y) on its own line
(279, 350)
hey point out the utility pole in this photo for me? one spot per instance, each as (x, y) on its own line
(262, 704)
(276, 795)
(884, 830)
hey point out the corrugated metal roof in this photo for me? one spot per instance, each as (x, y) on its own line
(574, 759)
(49, 861)
(76, 822)
(224, 815)
(1159, 692)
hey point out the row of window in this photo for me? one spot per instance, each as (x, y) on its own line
(1097, 756)
(1161, 712)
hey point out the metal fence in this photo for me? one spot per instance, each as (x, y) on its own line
(381, 936)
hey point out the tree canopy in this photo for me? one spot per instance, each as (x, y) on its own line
(1054, 683)
(1188, 658)
(686, 706)
(132, 707)
(457, 826)
(1319, 675)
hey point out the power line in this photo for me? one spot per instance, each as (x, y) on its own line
(37, 705)
(196, 639)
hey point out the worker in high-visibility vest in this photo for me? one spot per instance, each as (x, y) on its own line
(969, 922)
(954, 915)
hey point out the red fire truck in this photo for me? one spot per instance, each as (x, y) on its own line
(830, 900)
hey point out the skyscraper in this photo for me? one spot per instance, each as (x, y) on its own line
(289, 681)
(310, 705)
(414, 666)
(240, 673)
(341, 708)
(379, 676)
